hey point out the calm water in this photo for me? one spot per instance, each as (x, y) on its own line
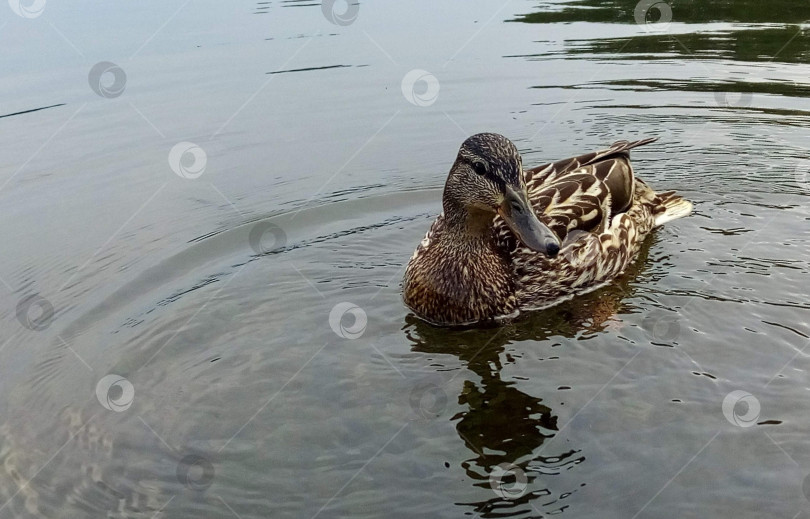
(233, 343)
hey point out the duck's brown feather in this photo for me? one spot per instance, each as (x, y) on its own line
(594, 204)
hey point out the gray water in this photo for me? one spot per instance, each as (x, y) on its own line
(215, 329)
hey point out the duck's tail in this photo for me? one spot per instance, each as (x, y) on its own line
(671, 207)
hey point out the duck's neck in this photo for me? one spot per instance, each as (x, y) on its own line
(460, 276)
(468, 224)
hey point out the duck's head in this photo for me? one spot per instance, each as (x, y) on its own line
(487, 179)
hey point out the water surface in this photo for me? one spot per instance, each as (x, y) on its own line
(211, 295)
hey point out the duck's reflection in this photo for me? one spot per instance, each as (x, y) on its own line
(504, 427)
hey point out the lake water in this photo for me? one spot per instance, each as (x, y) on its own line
(206, 224)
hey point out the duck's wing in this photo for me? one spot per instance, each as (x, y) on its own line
(611, 166)
(576, 202)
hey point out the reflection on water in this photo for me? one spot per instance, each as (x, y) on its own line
(506, 429)
(785, 44)
(213, 296)
(738, 31)
(683, 11)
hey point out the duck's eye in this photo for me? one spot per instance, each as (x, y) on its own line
(480, 167)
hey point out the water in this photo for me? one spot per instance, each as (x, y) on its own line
(209, 298)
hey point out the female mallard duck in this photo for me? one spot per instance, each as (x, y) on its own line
(511, 239)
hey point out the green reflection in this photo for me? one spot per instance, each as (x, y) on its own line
(786, 43)
(773, 88)
(683, 11)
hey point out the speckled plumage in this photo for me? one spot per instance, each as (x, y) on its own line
(471, 267)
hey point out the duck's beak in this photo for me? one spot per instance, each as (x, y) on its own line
(520, 217)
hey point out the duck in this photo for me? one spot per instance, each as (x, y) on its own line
(511, 239)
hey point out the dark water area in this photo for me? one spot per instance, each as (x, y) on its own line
(208, 207)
